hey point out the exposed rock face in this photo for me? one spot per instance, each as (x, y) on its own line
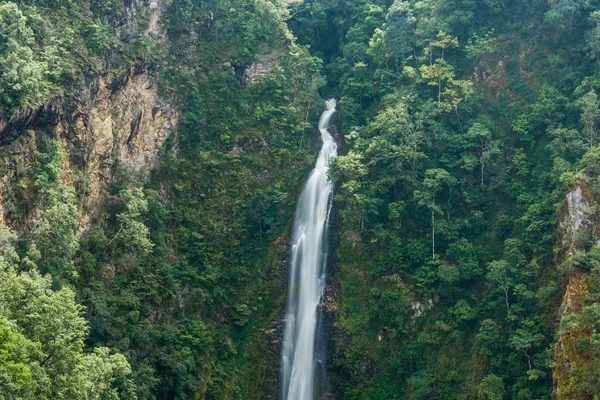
(151, 10)
(565, 356)
(578, 216)
(128, 125)
(111, 124)
(331, 335)
(113, 121)
(420, 309)
(578, 210)
(274, 335)
(266, 64)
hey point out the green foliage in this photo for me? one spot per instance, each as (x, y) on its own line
(590, 117)
(54, 236)
(564, 12)
(23, 75)
(179, 273)
(42, 335)
(133, 235)
(462, 137)
(398, 28)
(15, 351)
(593, 35)
(479, 46)
(491, 388)
(53, 242)
(463, 123)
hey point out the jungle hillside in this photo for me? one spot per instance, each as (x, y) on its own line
(152, 157)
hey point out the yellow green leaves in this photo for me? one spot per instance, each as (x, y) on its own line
(436, 71)
(444, 41)
(15, 372)
(410, 72)
(478, 46)
(350, 167)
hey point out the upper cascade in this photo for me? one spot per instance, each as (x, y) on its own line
(307, 275)
(325, 120)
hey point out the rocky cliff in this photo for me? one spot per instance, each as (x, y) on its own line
(114, 123)
(578, 229)
(102, 122)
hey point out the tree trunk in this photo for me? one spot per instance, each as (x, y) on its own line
(433, 230)
(482, 166)
(439, 90)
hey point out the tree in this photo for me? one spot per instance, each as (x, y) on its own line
(434, 180)
(17, 381)
(491, 388)
(133, 236)
(399, 28)
(568, 144)
(423, 384)
(564, 12)
(488, 336)
(438, 71)
(525, 338)
(478, 46)
(547, 111)
(592, 36)
(398, 138)
(441, 74)
(54, 235)
(8, 253)
(478, 140)
(23, 80)
(350, 170)
(500, 272)
(98, 371)
(42, 335)
(590, 116)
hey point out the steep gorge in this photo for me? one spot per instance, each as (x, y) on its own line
(193, 270)
(152, 165)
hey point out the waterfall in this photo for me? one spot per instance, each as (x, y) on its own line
(307, 271)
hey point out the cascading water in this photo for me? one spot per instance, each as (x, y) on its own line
(307, 275)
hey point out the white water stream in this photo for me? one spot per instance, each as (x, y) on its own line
(307, 271)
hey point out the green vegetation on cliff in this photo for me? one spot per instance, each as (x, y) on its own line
(179, 274)
(462, 272)
(464, 124)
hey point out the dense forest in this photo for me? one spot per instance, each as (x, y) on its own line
(152, 153)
